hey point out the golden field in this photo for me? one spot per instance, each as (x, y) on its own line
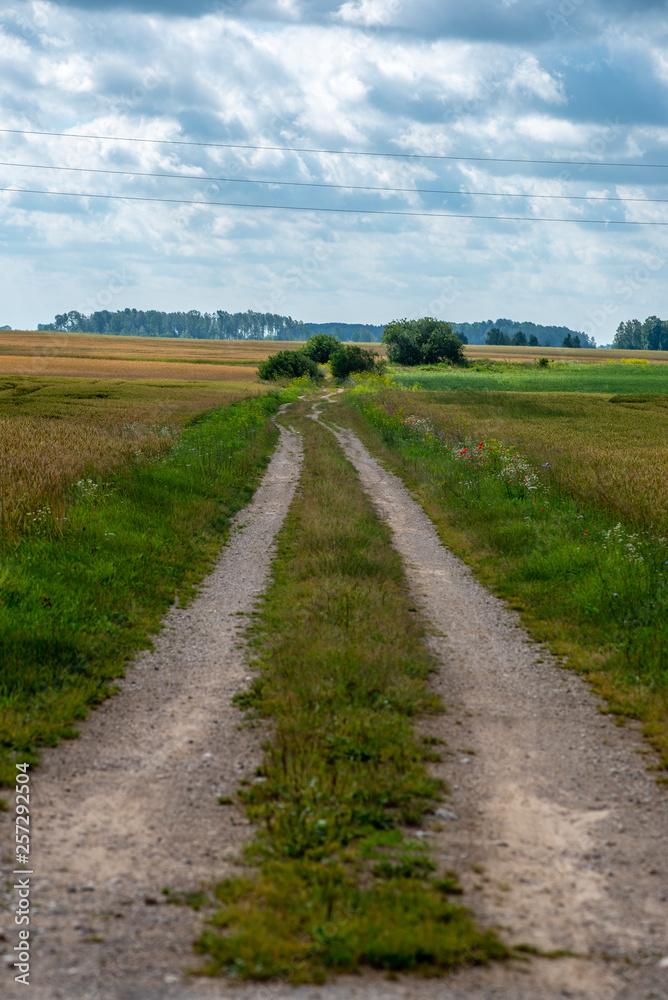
(611, 453)
(106, 356)
(588, 355)
(54, 430)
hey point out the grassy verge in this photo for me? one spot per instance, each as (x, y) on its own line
(612, 377)
(342, 672)
(610, 454)
(81, 591)
(592, 587)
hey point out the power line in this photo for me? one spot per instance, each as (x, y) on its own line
(341, 187)
(346, 211)
(336, 152)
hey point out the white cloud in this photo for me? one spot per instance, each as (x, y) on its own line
(369, 13)
(334, 84)
(528, 76)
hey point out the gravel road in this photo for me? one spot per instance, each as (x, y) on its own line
(560, 835)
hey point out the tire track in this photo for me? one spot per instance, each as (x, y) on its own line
(567, 830)
(132, 806)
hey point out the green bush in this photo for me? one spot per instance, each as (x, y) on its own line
(320, 347)
(350, 358)
(288, 364)
(422, 341)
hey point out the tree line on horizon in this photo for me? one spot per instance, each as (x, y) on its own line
(632, 335)
(220, 325)
(543, 335)
(251, 325)
(496, 337)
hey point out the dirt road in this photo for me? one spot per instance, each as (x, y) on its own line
(560, 835)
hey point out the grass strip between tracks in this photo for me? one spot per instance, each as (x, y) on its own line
(79, 594)
(342, 882)
(592, 587)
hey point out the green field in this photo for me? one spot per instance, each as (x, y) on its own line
(610, 377)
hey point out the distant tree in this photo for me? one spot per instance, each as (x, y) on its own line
(404, 346)
(461, 337)
(320, 347)
(422, 341)
(629, 336)
(519, 339)
(288, 364)
(496, 338)
(443, 345)
(533, 340)
(364, 336)
(571, 340)
(655, 334)
(349, 358)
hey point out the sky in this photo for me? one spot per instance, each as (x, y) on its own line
(286, 103)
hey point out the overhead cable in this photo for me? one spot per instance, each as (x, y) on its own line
(345, 211)
(334, 152)
(331, 186)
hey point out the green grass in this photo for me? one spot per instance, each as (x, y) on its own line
(342, 672)
(592, 587)
(606, 377)
(80, 593)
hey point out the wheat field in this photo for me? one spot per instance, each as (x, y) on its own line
(55, 430)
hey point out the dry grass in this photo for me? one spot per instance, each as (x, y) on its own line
(37, 364)
(609, 454)
(48, 344)
(587, 355)
(53, 431)
(47, 347)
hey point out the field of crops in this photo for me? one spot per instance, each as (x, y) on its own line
(54, 430)
(88, 345)
(477, 352)
(612, 378)
(611, 454)
(84, 355)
